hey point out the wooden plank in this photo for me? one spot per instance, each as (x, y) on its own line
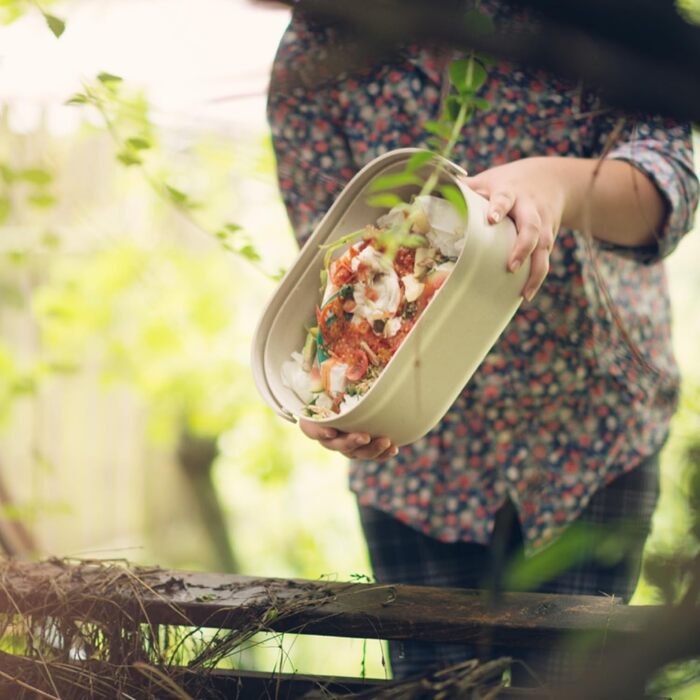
(69, 678)
(311, 607)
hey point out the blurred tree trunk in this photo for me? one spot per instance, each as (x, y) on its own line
(196, 457)
(15, 539)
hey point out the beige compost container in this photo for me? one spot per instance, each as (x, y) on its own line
(447, 343)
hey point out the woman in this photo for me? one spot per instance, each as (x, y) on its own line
(564, 420)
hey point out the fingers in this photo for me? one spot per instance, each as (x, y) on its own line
(378, 449)
(500, 205)
(525, 191)
(535, 240)
(352, 445)
(347, 443)
(539, 267)
(539, 262)
(316, 431)
(529, 227)
(501, 200)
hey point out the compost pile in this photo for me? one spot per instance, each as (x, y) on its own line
(76, 630)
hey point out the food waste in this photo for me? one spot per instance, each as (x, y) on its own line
(370, 302)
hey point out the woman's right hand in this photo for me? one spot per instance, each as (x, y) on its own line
(352, 445)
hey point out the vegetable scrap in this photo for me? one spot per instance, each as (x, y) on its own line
(370, 303)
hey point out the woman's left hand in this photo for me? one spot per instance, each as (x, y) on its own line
(532, 194)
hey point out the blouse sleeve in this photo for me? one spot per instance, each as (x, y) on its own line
(663, 151)
(313, 158)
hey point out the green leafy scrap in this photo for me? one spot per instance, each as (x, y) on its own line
(386, 182)
(419, 159)
(455, 197)
(387, 200)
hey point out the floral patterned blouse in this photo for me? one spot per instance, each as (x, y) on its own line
(582, 384)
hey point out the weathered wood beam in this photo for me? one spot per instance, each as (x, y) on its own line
(20, 675)
(224, 601)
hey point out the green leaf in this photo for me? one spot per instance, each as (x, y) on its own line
(458, 73)
(128, 158)
(37, 176)
(56, 25)
(248, 252)
(455, 197)
(5, 208)
(138, 143)
(438, 128)
(467, 75)
(413, 240)
(435, 143)
(41, 200)
(387, 200)
(105, 78)
(578, 543)
(232, 228)
(7, 174)
(419, 159)
(480, 103)
(478, 22)
(78, 99)
(477, 77)
(453, 104)
(176, 195)
(387, 182)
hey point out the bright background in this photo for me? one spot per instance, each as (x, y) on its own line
(126, 325)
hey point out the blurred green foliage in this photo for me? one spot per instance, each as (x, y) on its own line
(172, 321)
(11, 10)
(165, 323)
(691, 9)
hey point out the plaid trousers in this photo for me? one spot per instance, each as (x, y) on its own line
(401, 554)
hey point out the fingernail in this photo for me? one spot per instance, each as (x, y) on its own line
(495, 216)
(329, 434)
(362, 439)
(515, 265)
(394, 451)
(528, 294)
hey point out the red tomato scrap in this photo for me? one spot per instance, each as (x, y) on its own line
(358, 369)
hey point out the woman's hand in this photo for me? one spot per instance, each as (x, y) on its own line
(352, 445)
(530, 192)
(611, 200)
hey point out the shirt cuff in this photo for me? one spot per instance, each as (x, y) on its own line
(669, 166)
